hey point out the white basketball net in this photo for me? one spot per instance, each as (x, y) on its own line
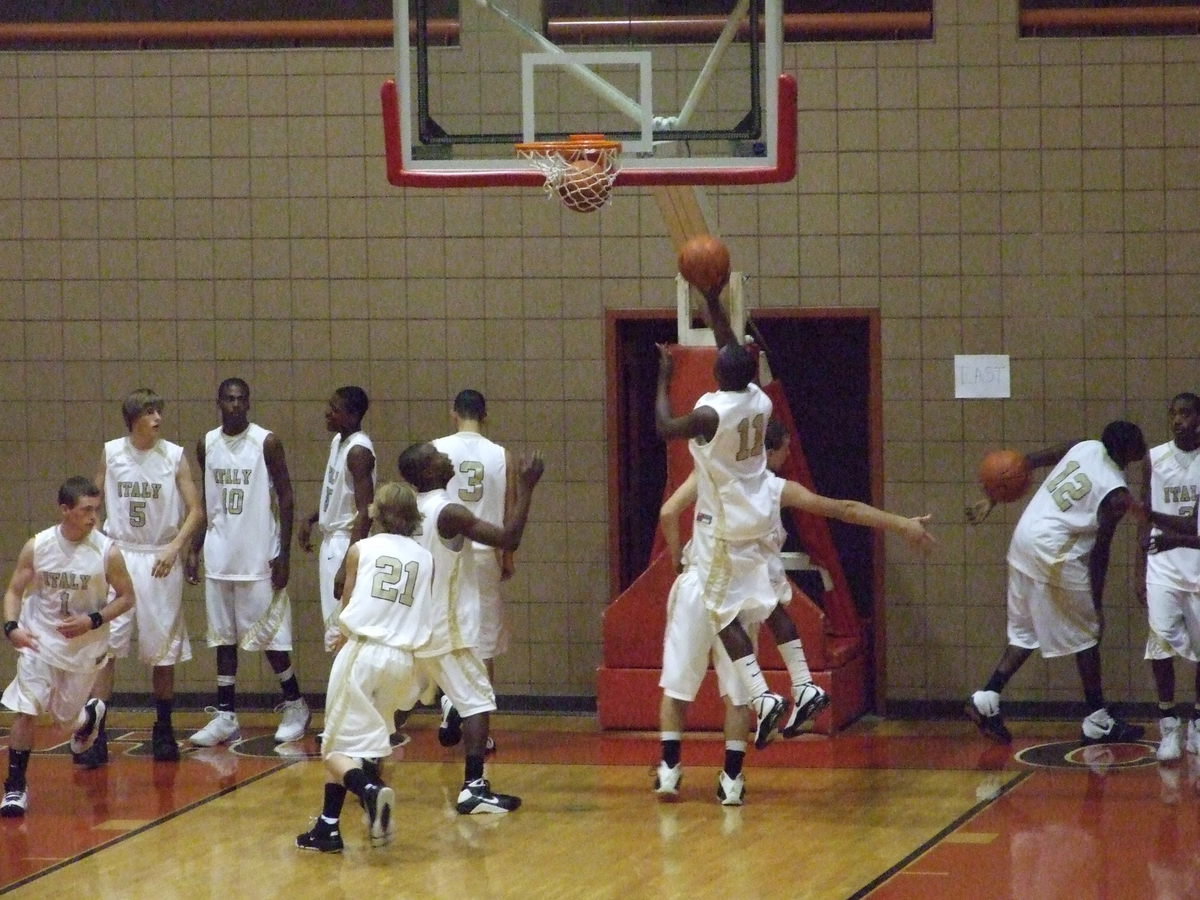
(582, 177)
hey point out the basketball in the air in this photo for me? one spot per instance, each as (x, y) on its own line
(584, 187)
(1004, 475)
(704, 262)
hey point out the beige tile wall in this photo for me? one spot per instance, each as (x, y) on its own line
(173, 218)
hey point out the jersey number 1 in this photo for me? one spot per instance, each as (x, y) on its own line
(751, 433)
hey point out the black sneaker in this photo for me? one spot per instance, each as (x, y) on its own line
(477, 797)
(163, 744)
(93, 720)
(810, 700)
(1119, 732)
(94, 756)
(321, 841)
(450, 731)
(991, 727)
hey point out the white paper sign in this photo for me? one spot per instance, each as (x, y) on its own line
(981, 376)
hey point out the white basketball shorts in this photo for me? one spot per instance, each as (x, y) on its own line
(1057, 621)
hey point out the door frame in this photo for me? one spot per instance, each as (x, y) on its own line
(615, 394)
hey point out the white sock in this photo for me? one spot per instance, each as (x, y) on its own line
(736, 746)
(752, 675)
(797, 664)
(671, 736)
(987, 702)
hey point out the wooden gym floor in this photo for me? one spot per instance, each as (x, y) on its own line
(882, 810)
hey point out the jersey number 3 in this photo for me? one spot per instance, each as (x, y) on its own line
(472, 492)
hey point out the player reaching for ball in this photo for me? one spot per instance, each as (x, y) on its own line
(1057, 565)
(689, 638)
(734, 507)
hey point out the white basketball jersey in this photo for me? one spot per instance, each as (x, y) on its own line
(338, 509)
(392, 602)
(455, 592)
(69, 581)
(731, 469)
(1056, 533)
(243, 534)
(142, 506)
(1174, 481)
(480, 475)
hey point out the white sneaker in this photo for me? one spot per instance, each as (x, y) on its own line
(83, 739)
(769, 708)
(1170, 745)
(294, 722)
(730, 791)
(14, 803)
(221, 730)
(808, 703)
(666, 781)
(1193, 737)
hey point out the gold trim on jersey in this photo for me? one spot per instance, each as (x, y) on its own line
(176, 635)
(716, 585)
(264, 630)
(456, 635)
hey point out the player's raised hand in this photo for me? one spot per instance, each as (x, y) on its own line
(530, 469)
(979, 510)
(666, 362)
(917, 534)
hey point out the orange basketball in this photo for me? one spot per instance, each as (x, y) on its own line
(1004, 475)
(704, 262)
(584, 187)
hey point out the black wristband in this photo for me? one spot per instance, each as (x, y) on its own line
(97, 620)
(10, 626)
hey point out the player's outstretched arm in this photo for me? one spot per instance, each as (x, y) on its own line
(718, 318)
(912, 529)
(456, 519)
(668, 518)
(701, 422)
(978, 511)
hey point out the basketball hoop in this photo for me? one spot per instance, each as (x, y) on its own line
(580, 169)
